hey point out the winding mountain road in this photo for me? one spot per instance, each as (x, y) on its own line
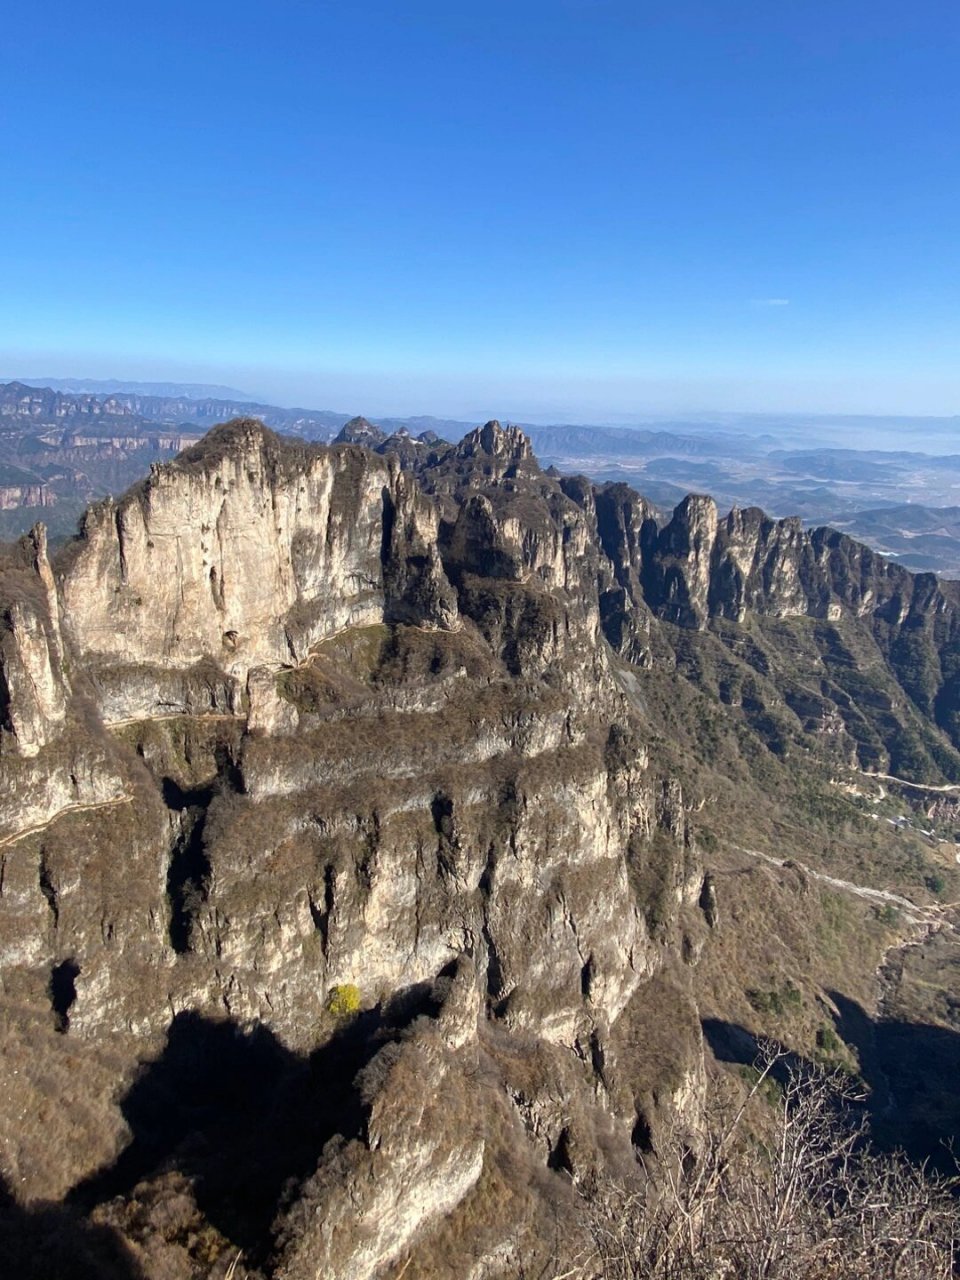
(97, 805)
(884, 896)
(914, 786)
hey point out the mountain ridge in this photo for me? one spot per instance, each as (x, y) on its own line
(75, 448)
(479, 753)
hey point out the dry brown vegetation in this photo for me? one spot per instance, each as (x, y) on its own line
(793, 1194)
(428, 746)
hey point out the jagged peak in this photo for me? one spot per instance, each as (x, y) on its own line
(37, 536)
(746, 515)
(241, 440)
(695, 506)
(360, 430)
(508, 443)
(753, 517)
(696, 515)
(237, 435)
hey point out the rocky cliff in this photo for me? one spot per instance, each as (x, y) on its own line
(27, 491)
(353, 893)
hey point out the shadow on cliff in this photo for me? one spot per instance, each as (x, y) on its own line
(52, 1242)
(910, 1071)
(188, 874)
(243, 1118)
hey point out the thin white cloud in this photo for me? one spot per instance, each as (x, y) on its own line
(770, 302)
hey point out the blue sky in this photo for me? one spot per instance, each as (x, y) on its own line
(561, 209)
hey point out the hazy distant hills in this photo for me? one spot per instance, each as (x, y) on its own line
(859, 465)
(74, 440)
(111, 386)
(919, 538)
(154, 404)
(60, 449)
(900, 502)
(639, 442)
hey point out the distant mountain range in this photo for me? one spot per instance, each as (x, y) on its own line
(70, 441)
(389, 851)
(111, 386)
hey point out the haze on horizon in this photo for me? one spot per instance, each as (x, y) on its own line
(586, 210)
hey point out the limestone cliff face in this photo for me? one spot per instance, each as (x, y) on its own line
(48, 763)
(701, 573)
(329, 726)
(286, 722)
(33, 688)
(18, 401)
(241, 554)
(13, 496)
(698, 566)
(499, 448)
(698, 569)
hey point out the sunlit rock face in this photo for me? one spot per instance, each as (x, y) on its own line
(288, 722)
(244, 553)
(33, 688)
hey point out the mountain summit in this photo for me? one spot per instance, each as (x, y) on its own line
(392, 843)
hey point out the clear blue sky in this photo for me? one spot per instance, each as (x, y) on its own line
(565, 208)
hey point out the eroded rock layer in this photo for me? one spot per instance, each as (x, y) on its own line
(333, 793)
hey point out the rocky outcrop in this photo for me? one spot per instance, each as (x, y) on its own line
(26, 494)
(292, 730)
(698, 572)
(360, 431)
(698, 566)
(41, 404)
(33, 687)
(506, 445)
(245, 553)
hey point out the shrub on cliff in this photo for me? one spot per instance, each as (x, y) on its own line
(343, 1000)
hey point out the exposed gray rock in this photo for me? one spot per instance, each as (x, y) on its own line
(288, 721)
